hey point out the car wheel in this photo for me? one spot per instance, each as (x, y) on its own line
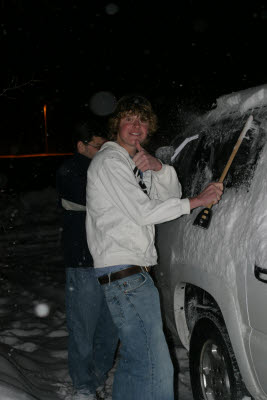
(214, 371)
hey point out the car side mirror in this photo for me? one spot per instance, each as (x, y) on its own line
(165, 154)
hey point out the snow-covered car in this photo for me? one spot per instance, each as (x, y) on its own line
(213, 281)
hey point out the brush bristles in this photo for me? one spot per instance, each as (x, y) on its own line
(254, 126)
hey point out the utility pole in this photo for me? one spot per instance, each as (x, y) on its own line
(46, 143)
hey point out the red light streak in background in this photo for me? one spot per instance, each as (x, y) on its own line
(35, 155)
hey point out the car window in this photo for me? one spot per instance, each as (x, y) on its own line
(203, 160)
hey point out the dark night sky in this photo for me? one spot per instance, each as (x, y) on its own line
(176, 52)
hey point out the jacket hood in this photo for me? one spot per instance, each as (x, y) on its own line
(114, 146)
(112, 149)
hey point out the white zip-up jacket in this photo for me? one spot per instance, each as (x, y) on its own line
(120, 217)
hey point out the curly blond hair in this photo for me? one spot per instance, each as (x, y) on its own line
(135, 105)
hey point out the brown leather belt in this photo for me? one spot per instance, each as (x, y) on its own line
(135, 269)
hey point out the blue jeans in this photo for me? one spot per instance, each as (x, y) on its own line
(93, 337)
(145, 370)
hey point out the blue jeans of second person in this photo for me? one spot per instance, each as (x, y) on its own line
(93, 337)
(145, 370)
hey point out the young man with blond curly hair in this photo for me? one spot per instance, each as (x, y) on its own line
(128, 192)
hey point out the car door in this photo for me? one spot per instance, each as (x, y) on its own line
(256, 305)
(256, 275)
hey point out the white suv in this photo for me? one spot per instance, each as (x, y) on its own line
(213, 282)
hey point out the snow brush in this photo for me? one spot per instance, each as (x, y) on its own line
(204, 217)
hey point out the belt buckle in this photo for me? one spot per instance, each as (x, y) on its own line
(146, 268)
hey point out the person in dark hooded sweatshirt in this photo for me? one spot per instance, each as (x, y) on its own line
(93, 337)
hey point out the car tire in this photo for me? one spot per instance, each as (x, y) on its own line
(214, 372)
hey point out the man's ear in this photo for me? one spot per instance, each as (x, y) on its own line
(80, 147)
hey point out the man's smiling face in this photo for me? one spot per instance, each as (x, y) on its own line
(131, 129)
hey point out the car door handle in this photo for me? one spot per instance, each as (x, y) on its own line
(260, 274)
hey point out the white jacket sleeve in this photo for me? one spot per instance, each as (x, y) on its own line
(117, 182)
(165, 184)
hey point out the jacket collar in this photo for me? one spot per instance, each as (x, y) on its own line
(82, 160)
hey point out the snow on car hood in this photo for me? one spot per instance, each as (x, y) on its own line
(241, 238)
(238, 229)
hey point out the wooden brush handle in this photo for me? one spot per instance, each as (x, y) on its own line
(237, 145)
(235, 149)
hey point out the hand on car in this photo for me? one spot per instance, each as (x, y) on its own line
(144, 161)
(210, 195)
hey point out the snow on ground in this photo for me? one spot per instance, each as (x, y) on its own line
(33, 334)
